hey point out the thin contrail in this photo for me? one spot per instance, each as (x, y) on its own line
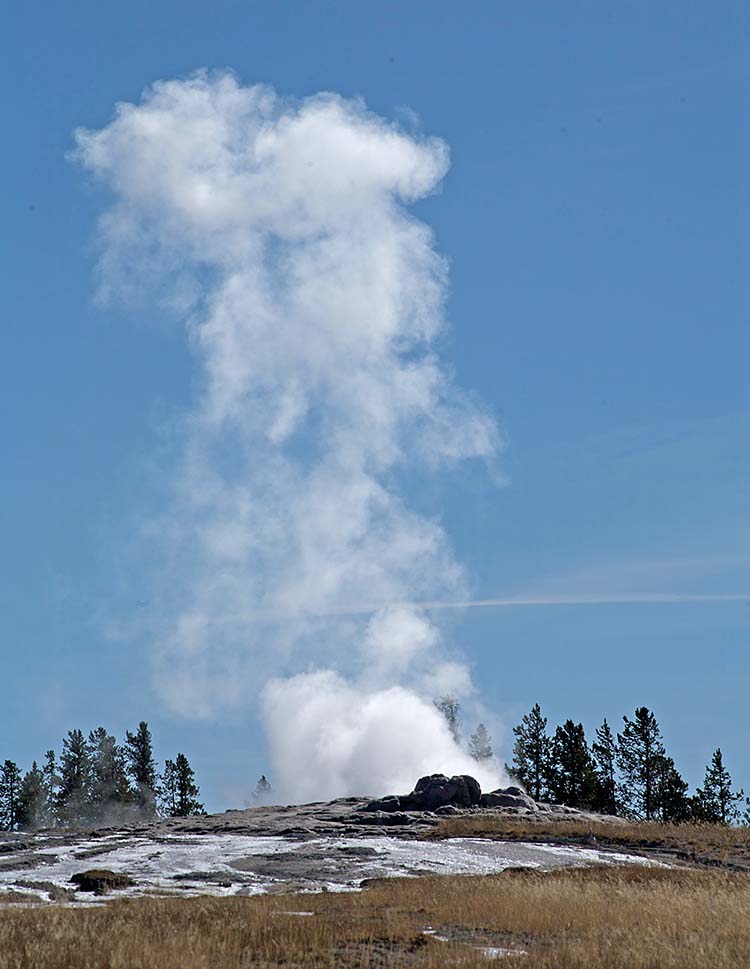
(580, 600)
(609, 599)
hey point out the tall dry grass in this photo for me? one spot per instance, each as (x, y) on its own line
(712, 843)
(569, 919)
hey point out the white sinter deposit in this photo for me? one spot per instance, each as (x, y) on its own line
(235, 864)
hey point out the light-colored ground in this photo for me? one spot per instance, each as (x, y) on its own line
(233, 864)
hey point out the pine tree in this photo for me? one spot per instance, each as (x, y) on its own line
(179, 792)
(10, 788)
(572, 779)
(110, 792)
(480, 744)
(639, 757)
(73, 795)
(262, 791)
(716, 802)
(604, 751)
(168, 789)
(33, 809)
(141, 768)
(51, 784)
(451, 709)
(673, 804)
(531, 753)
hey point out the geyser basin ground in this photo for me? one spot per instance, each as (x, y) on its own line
(232, 864)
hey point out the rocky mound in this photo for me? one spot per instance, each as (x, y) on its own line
(509, 797)
(436, 791)
(100, 880)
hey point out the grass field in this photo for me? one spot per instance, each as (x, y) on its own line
(640, 918)
(707, 844)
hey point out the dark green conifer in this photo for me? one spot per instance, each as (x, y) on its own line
(640, 757)
(673, 804)
(179, 792)
(572, 779)
(716, 801)
(142, 768)
(109, 790)
(531, 754)
(33, 810)
(604, 751)
(10, 789)
(73, 800)
(51, 784)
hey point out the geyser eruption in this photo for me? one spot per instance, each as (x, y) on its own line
(280, 232)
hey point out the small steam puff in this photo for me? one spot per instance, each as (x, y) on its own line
(279, 231)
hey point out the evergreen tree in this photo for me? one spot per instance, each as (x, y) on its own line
(640, 757)
(33, 808)
(10, 788)
(716, 801)
(480, 744)
(451, 709)
(142, 768)
(262, 791)
(673, 804)
(168, 789)
(531, 753)
(51, 784)
(179, 792)
(110, 792)
(73, 794)
(572, 779)
(604, 751)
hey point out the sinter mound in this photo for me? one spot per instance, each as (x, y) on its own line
(436, 791)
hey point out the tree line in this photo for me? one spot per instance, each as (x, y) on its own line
(97, 781)
(628, 774)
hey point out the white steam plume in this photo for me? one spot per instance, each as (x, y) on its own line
(280, 232)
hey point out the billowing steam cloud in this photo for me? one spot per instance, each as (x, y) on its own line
(280, 232)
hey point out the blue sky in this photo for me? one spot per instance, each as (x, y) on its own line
(595, 219)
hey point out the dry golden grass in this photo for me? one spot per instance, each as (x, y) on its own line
(707, 843)
(570, 919)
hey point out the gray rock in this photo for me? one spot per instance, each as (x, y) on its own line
(448, 810)
(385, 817)
(508, 797)
(390, 803)
(432, 792)
(100, 880)
(437, 790)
